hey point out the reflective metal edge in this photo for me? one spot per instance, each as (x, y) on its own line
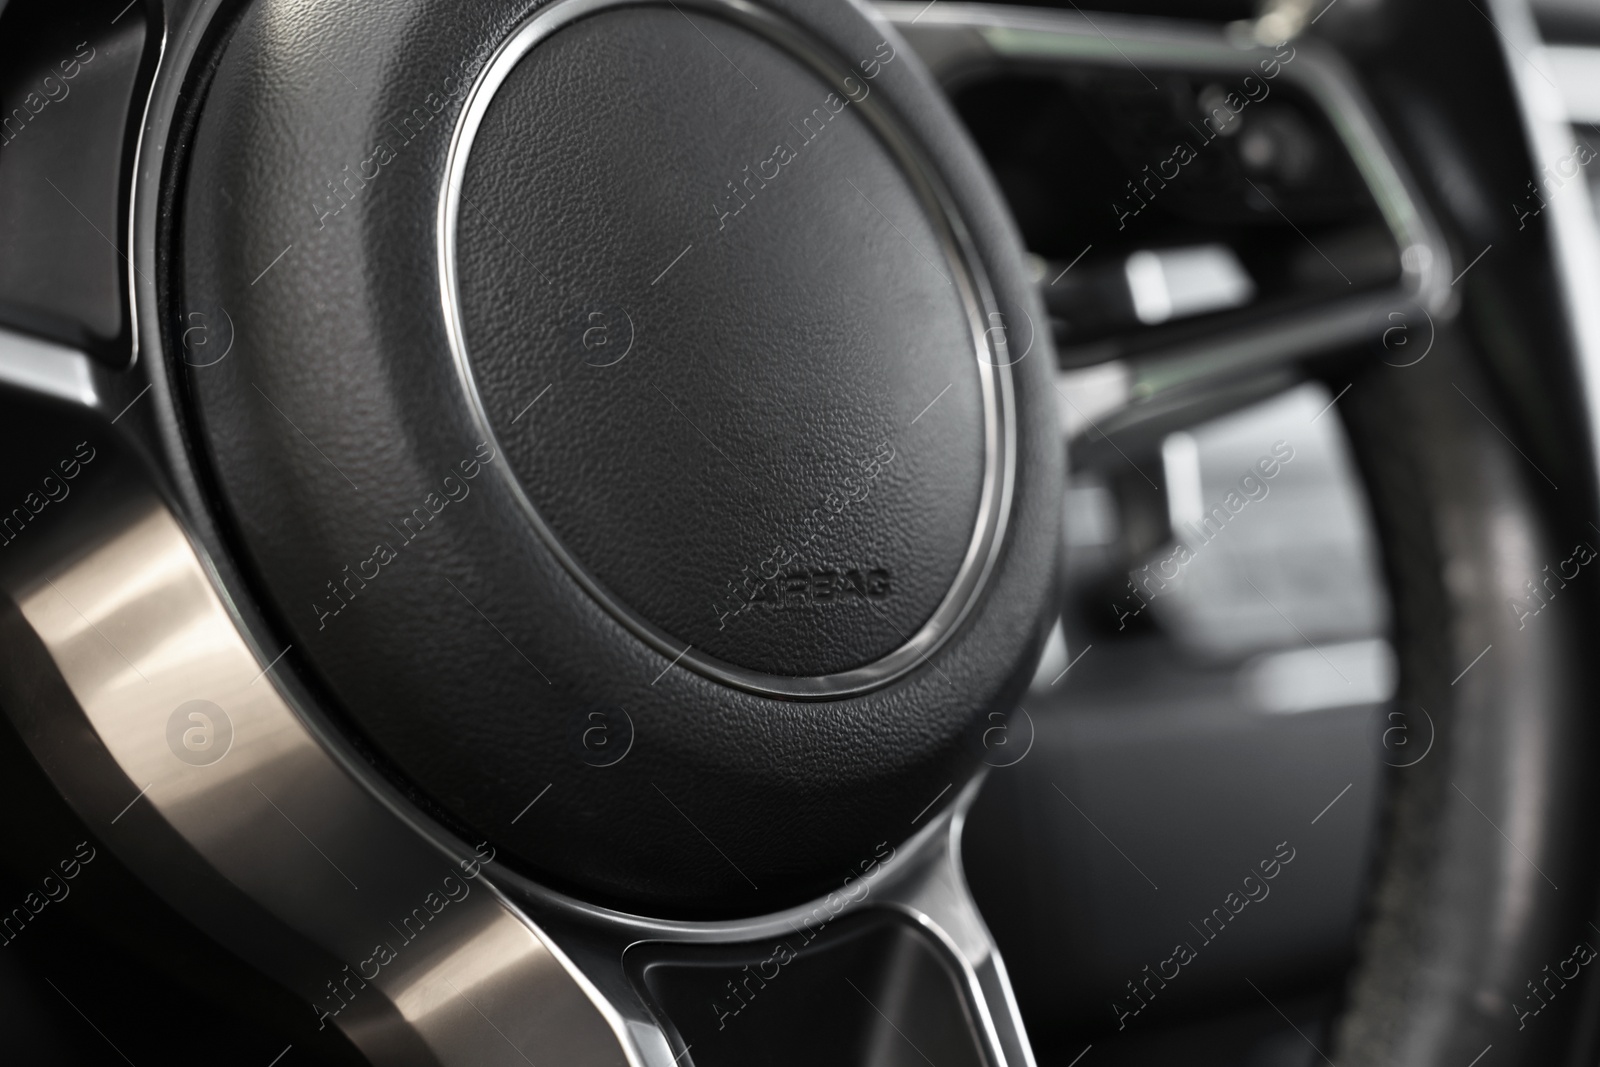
(958, 40)
(36, 366)
(994, 504)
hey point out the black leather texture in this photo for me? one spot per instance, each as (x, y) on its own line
(401, 566)
(694, 414)
(1469, 528)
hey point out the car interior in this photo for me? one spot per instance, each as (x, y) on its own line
(1078, 558)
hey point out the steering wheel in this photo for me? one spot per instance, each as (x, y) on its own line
(531, 554)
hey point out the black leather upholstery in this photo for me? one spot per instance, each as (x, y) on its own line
(797, 339)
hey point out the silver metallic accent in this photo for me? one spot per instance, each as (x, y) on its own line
(38, 366)
(332, 863)
(994, 503)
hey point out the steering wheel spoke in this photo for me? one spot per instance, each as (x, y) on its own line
(189, 753)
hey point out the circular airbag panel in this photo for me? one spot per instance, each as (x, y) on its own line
(704, 320)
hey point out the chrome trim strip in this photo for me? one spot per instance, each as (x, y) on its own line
(200, 14)
(943, 905)
(994, 373)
